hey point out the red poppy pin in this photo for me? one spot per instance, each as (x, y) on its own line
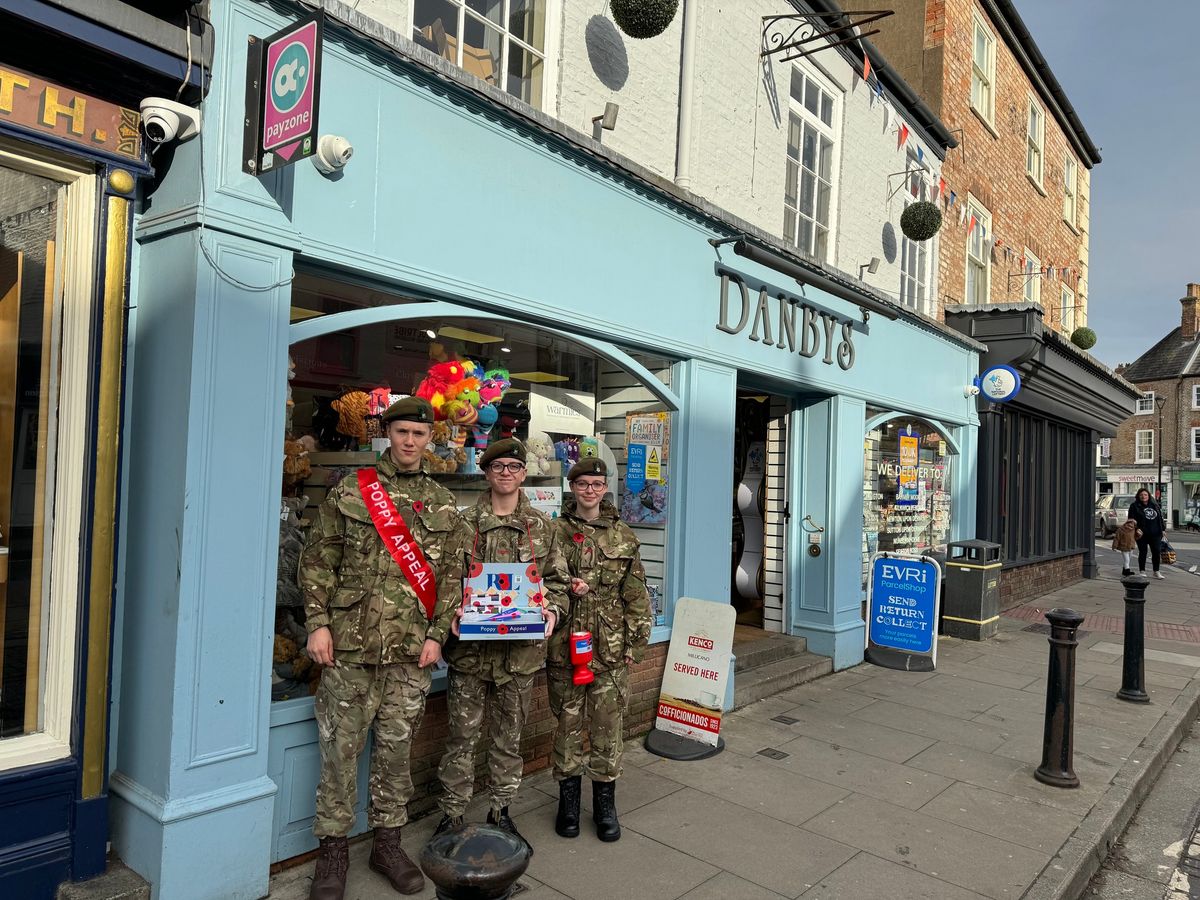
(418, 506)
(578, 537)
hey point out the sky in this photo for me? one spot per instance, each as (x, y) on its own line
(1129, 71)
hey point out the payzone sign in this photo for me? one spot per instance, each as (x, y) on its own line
(283, 94)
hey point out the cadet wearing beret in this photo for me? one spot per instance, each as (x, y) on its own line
(609, 599)
(367, 625)
(501, 528)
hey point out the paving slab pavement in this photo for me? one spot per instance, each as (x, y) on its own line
(894, 784)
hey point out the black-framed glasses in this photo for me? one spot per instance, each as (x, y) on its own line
(592, 486)
(498, 468)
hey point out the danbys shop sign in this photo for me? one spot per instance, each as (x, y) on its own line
(780, 319)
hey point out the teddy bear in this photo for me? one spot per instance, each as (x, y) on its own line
(539, 455)
(296, 465)
(440, 456)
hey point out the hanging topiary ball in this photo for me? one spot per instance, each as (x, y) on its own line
(921, 221)
(643, 18)
(1083, 338)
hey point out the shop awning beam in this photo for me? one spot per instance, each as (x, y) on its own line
(785, 266)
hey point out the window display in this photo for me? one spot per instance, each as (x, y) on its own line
(906, 489)
(486, 379)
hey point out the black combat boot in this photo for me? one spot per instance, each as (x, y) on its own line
(389, 860)
(329, 880)
(604, 810)
(502, 821)
(567, 821)
(447, 823)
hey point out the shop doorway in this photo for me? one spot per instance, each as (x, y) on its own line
(760, 513)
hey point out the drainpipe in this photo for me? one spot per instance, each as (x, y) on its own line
(687, 68)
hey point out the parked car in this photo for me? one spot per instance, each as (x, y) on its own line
(1111, 511)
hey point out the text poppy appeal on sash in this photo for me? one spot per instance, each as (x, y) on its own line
(398, 539)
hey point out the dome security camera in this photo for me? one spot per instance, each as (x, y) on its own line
(165, 120)
(333, 152)
(971, 390)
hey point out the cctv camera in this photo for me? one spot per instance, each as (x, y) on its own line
(971, 390)
(165, 120)
(333, 152)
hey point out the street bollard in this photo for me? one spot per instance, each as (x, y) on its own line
(475, 862)
(1133, 664)
(1058, 743)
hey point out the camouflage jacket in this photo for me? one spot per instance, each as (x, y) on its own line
(352, 584)
(523, 536)
(616, 608)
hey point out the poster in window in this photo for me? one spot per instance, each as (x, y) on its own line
(910, 492)
(647, 468)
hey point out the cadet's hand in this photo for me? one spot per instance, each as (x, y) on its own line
(629, 660)
(320, 646)
(430, 653)
(454, 629)
(579, 587)
(550, 618)
(1139, 532)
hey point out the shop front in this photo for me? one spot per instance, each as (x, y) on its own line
(588, 297)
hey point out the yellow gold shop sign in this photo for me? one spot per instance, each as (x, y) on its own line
(39, 106)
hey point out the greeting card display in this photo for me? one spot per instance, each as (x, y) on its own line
(502, 601)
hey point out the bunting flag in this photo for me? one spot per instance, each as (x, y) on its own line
(941, 185)
(962, 214)
(971, 227)
(866, 67)
(920, 155)
(953, 197)
(903, 133)
(878, 88)
(887, 116)
(982, 232)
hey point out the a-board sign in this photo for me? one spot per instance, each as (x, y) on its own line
(903, 599)
(693, 685)
(283, 95)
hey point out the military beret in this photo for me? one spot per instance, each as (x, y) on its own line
(410, 409)
(590, 466)
(508, 448)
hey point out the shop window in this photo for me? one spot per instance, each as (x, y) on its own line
(808, 189)
(1145, 404)
(502, 42)
(1144, 446)
(979, 268)
(47, 217)
(563, 399)
(983, 71)
(906, 489)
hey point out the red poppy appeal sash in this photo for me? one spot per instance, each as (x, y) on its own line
(398, 539)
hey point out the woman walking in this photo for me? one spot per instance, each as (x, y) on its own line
(1148, 516)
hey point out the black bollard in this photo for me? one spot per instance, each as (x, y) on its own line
(475, 862)
(1133, 664)
(1058, 743)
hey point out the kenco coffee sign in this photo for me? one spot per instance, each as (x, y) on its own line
(50, 109)
(780, 319)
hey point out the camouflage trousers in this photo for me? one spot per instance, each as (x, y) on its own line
(599, 708)
(508, 707)
(350, 699)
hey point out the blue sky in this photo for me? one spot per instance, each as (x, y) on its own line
(1130, 73)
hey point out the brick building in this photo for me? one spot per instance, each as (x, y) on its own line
(1024, 161)
(1164, 430)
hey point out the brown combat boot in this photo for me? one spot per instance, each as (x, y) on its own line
(329, 881)
(389, 860)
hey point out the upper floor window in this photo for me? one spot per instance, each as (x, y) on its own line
(1145, 403)
(808, 191)
(1070, 188)
(1143, 446)
(983, 71)
(979, 255)
(1066, 313)
(1033, 278)
(1196, 445)
(914, 255)
(503, 42)
(1034, 142)
(1196, 396)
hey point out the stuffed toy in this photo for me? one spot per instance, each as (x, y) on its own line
(436, 387)
(296, 466)
(566, 452)
(513, 418)
(325, 423)
(539, 455)
(440, 456)
(482, 429)
(494, 386)
(589, 448)
(351, 408)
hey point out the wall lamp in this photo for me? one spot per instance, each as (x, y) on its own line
(872, 267)
(607, 121)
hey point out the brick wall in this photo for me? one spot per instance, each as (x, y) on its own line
(1178, 420)
(1024, 582)
(537, 741)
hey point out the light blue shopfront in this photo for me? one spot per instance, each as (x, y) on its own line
(451, 198)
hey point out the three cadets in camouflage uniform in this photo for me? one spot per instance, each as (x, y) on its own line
(368, 627)
(501, 528)
(609, 599)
